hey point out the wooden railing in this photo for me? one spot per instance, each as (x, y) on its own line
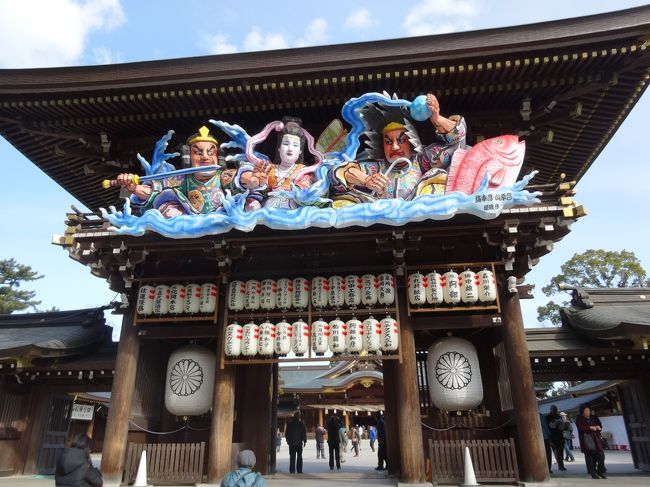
(167, 463)
(493, 460)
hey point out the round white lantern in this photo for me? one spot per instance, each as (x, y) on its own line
(283, 333)
(433, 290)
(389, 334)
(353, 285)
(250, 340)
(451, 287)
(268, 293)
(337, 291)
(300, 293)
(192, 298)
(371, 335)
(320, 332)
(300, 338)
(468, 287)
(233, 340)
(369, 287)
(386, 291)
(266, 344)
(146, 297)
(454, 375)
(161, 300)
(190, 381)
(417, 289)
(487, 291)
(284, 298)
(177, 299)
(337, 336)
(320, 289)
(354, 338)
(236, 295)
(252, 295)
(208, 298)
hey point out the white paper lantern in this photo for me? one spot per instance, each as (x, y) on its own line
(454, 374)
(354, 337)
(283, 333)
(487, 291)
(300, 293)
(337, 336)
(389, 334)
(369, 289)
(434, 288)
(190, 381)
(266, 344)
(146, 297)
(320, 332)
(372, 335)
(300, 338)
(320, 289)
(451, 287)
(468, 287)
(284, 298)
(177, 299)
(353, 285)
(233, 340)
(416, 289)
(161, 300)
(208, 298)
(386, 291)
(252, 295)
(250, 339)
(337, 291)
(192, 298)
(236, 295)
(268, 293)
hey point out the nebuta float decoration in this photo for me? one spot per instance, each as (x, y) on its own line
(394, 179)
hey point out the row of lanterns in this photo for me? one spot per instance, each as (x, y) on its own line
(452, 288)
(337, 336)
(335, 292)
(177, 299)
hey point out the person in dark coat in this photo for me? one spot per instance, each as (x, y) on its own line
(555, 421)
(589, 428)
(546, 433)
(381, 442)
(296, 436)
(333, 426)
(74, 468)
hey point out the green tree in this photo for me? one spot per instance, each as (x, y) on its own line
(12, 275)
(592, 268)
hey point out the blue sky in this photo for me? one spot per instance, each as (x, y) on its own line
(40, 33)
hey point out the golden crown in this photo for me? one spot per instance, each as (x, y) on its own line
(203, 135)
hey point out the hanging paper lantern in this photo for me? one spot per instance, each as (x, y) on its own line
(284, 298)
(487, 291)
(371, 335)
(192, 298)
(300, 338)
(146, 297)
(320, 332)
(283, 333)
(434, 292)
(320, 291)
(233, 340)
(208, 298)
(354, 338)
(450, 287)
(417, 285)
(386, 292)
(252, 295)
(353, 285)
(266, 344)
(454, 374)
(177, 299)
(250, 340)
(268, 293)
(190, 381)
(300, 293)
(338, 332)
(468, 287)
(236, 295)
(389, 334)
(161, 300)
(369, 287)
(337, 291)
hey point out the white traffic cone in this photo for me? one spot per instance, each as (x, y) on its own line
(470, 478)
(141, 476)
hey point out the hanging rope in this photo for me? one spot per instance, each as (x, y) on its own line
(157, 432)
(464, 426)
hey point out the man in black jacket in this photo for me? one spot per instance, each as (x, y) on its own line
(333, 426)
(296, 435)
(74, 468)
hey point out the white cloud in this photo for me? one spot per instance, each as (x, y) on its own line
(315, 33)
(103, 55)
(359, 19)
(439, 17)
(256, 40)
(53, 32)
(217, 44)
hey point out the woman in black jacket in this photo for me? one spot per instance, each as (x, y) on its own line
(74, 468)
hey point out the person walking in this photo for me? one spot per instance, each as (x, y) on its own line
(381, 440)
(333, 426)
(567, 433)
(546, 433)
(355, 439)
(372, 435)
(589, 428)
(343, 442)
(296, 436)
(557, 439)
(320, 440)
(278, 440)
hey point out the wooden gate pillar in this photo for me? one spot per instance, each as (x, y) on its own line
(390, 408)
(117, 426)
(529, 430)
(223, 407)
